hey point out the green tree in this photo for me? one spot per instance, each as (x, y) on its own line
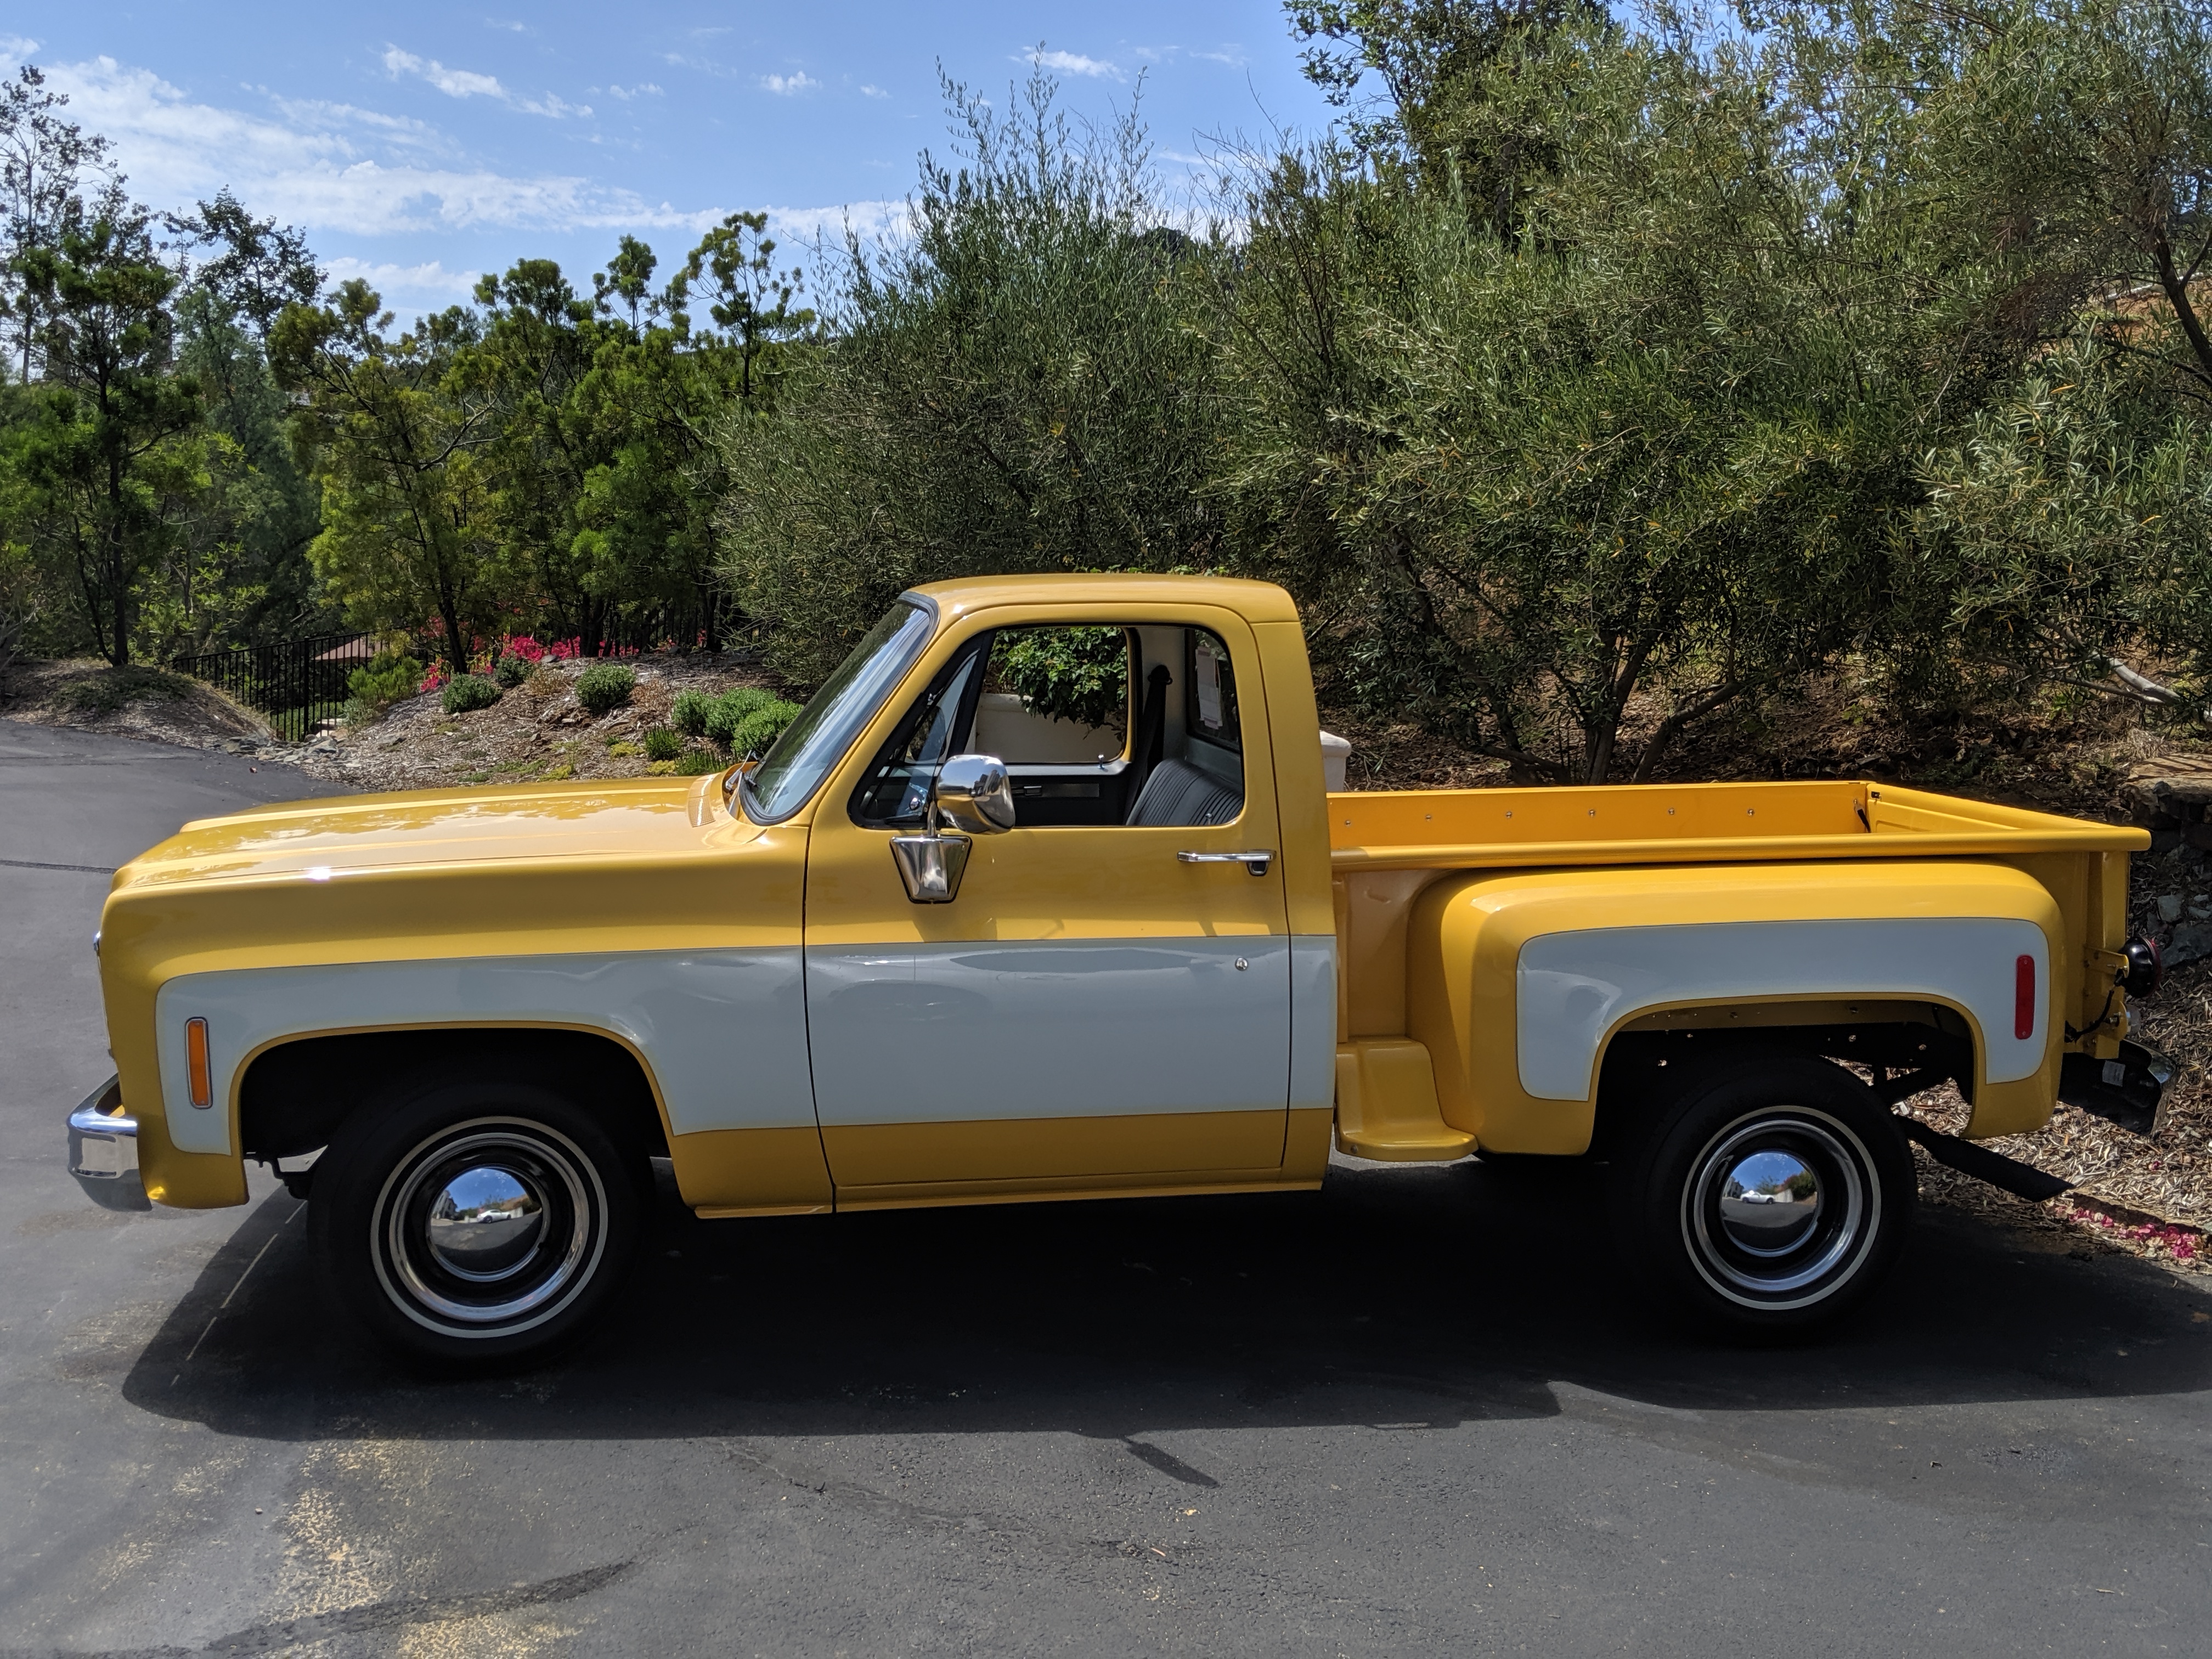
(391, 427)
(606, 474)
(46, 162)
(1012, 387)
(108, 460)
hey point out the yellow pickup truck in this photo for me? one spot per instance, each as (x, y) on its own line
(942, 945)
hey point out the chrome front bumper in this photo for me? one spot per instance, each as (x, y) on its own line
(103, 1150)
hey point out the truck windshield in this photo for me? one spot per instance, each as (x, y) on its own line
(834, 715)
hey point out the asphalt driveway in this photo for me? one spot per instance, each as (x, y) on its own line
(1418, 1411)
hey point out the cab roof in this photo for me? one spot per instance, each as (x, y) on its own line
(1255, 602)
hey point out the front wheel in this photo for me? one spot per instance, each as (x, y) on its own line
(475, 1221)
(1773, 1194)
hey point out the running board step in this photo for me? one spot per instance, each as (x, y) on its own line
(1386, 1104)
(2006, 1174)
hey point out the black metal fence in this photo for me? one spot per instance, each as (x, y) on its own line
(296, 684)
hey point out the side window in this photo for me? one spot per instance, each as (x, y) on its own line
(1210, 694)
(1098, 725)
(1056, 696)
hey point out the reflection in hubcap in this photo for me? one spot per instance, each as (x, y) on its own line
(484, 1225)
(1769, 1201)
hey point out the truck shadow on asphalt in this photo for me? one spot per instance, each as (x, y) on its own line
(1416, 1297)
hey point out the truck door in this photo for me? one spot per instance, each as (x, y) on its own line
(1107, 1001)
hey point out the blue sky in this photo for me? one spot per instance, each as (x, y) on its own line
(422, 144)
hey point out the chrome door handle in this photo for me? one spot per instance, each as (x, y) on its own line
(1257, 863)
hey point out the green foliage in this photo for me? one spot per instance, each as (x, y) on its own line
(467, 692)
(1614, 373)
(511, 671)
(1080, 674)
(1015, 386)
(390, 675)
(697, 763)
(1652, 425)
(604, 687)
(663, 744)
(144, 471)
(758, 731)
(389, 426)
(731, 709)
(108, 464)
(690, 712)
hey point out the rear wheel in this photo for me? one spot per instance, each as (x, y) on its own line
(476, 1221)
(1773, 1194)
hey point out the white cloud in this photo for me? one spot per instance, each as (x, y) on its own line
(467, 84)
(337, 168)
(642, 90)
(1232, 56)
(805, 224)
(1073, 63)
(454, 83)
(312, 169)
(320, 113)
(16, 48)
(788, 86)
(868, 91)
(405, 287)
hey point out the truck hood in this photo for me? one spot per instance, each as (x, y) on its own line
(423, 828)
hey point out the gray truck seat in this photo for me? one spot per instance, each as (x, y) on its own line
(1177, 793)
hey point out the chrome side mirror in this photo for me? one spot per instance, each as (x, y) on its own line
(971, 796)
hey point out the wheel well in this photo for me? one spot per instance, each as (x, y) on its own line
(1643, 1070)
(294, 1095)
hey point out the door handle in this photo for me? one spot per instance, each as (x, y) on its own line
(1257, 863)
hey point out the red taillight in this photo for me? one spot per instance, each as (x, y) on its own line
(2023, 998)
(198, 1083)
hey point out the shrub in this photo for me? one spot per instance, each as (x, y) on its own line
(731, 709)
(661, 769)
(689, 714)
(663, 744)
(624, 750)
(696, 763)
(466, 691)
(1079, 674)
(512, 671)
(388, 677)
(605, 687)
(762, 727)
(560, 774)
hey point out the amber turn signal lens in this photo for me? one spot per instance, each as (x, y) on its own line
(196, 1062)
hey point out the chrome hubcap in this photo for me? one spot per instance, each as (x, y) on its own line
(489, 1227)
(1781, 1207)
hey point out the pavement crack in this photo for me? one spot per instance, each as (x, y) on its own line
(395, 1614)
